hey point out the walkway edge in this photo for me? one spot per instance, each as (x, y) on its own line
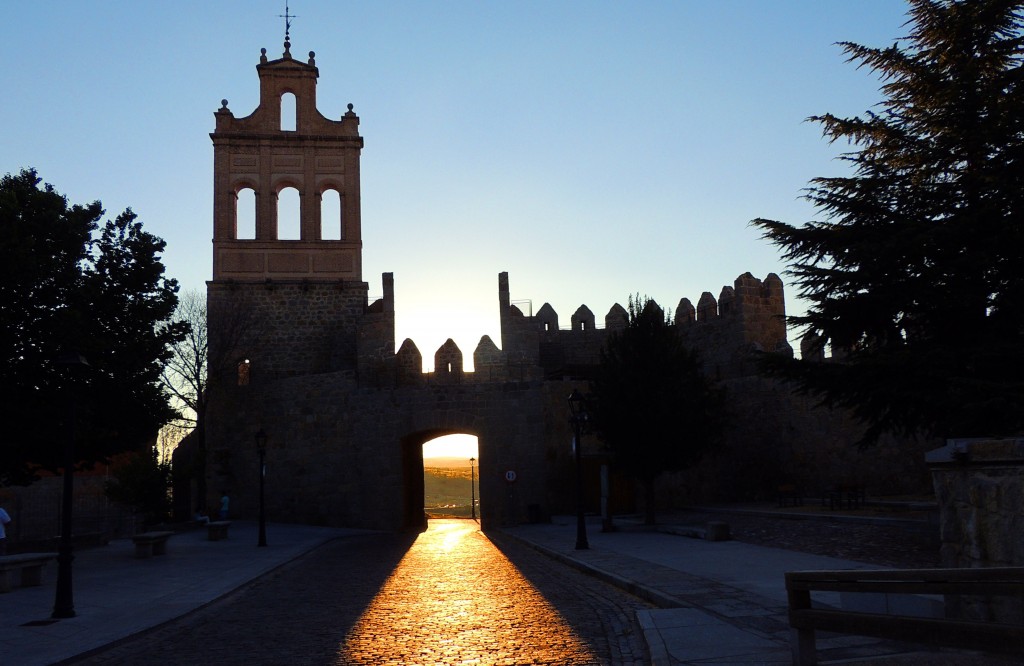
(656, 648)
(648, 594)
(657, 651)
(253, 577)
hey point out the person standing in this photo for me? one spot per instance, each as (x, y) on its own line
(224, 501)
(5, 520)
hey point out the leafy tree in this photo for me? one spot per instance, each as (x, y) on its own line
(914, 272)
(64, 291)
(185, 374)
(192, 364)
(651, 403)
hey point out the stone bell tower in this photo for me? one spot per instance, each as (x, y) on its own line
(302, 294)
(316, 155)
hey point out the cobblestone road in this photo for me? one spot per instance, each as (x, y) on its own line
(449, 597)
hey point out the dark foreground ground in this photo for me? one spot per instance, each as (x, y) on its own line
(886, 545)
(452, 597)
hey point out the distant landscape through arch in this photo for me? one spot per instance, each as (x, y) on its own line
(450, 472)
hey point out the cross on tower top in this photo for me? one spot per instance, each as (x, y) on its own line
(287, 16)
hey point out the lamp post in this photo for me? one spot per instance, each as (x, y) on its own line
(578, 417)
(261, 447)
(472, 489)
(64, 602)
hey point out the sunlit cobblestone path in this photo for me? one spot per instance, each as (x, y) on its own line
(449, 597)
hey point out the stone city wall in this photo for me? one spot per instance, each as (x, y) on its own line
(341, 454)
(747, 317)
(775, 437)
(347, 415)
(35, 510)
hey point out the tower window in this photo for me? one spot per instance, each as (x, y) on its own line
(288, 113)
(245, 214)
(288, 214)
(330, 216)
(243, 372)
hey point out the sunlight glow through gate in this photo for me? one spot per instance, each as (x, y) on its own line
(455, 598)
(450, 463)
(451, 446)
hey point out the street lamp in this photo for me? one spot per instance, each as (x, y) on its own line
(578, 417)
(261, 447)
(472, 489)
(64, 602)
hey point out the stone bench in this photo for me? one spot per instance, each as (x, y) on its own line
(217, 530)
(151, 543)
(29, 564)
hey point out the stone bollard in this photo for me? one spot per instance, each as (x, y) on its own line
(717, 531)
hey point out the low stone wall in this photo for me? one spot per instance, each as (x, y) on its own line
(35, 510)
(979, 486)
(775, 437)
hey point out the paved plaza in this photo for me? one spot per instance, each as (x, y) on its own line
(452, 595)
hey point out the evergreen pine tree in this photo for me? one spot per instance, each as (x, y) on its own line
(916, 271)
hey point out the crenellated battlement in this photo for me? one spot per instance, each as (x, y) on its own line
(324, 327)
(746, 317)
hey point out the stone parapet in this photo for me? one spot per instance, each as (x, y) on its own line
(979, 486)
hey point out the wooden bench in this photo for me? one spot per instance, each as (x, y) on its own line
(151, 543)
(789, 495)
(29, 564)
(844, 496)
(217, 530)
(1001, 637)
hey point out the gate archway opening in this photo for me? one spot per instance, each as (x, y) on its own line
(450, 477)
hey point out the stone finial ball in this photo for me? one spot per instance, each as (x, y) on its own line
(224, 104)
(350, 106)
(263, 52)
(312, 54)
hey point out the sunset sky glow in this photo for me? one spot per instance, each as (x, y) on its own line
(591, 149)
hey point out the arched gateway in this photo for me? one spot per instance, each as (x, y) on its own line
(298, 352)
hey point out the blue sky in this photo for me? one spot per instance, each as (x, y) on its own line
(591, 149)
